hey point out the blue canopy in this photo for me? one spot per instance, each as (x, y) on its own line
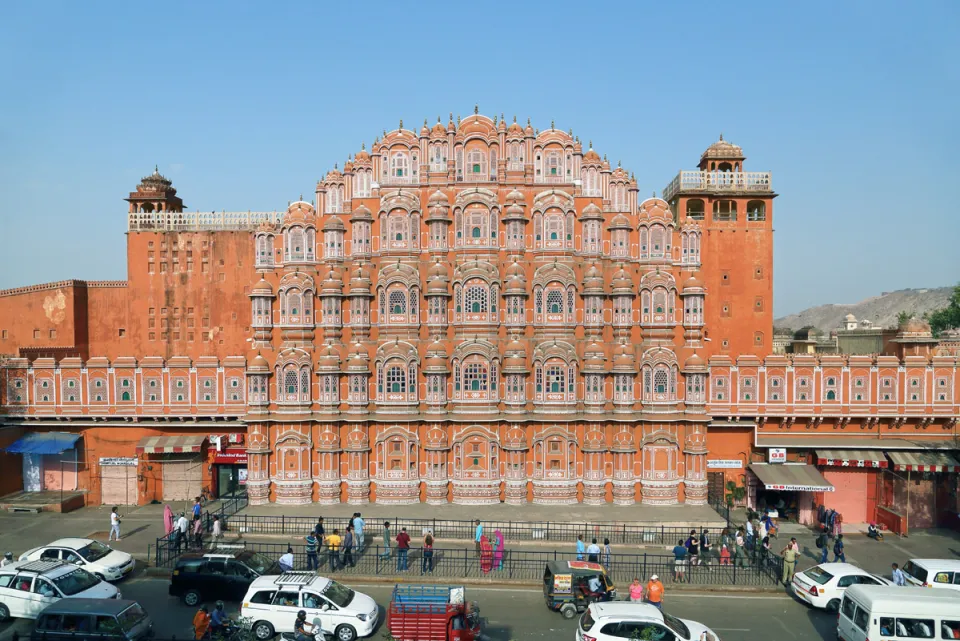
(43, 443)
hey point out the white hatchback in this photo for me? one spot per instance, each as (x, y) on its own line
(27, 587)
(619, 621)
(93, 556)
(822, 586)
(272, 602)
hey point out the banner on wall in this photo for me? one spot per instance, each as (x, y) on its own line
(724, 464)
(118, 461)
(231, 456)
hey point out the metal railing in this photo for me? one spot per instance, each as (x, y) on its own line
(517, 565)
(201, 220)
(718, 181)
(448, 529)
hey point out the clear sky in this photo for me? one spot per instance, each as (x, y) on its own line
(852, 105)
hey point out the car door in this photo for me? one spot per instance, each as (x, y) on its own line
(944, 580)
(213, 579)
(72, 557)
(842, 584)
(317, 609)
(239, 578)
(50, 554)
(43, 594)
(283, 610)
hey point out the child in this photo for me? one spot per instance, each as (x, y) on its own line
(724, 555)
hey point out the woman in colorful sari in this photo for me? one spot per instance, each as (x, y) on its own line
(486, 554)
(167, 520)
(498, 550)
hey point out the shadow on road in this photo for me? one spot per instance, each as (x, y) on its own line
(824, 622)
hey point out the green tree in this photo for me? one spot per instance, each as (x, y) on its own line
(946, 317)
(902, 317)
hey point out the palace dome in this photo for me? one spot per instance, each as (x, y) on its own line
(723, 149)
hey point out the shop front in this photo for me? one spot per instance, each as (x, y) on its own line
(230, 472)
(855, 475)
(786, 487)
(920, 490)
(51, 460)
(180, 463)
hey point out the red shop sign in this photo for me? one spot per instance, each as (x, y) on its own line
(231, 456)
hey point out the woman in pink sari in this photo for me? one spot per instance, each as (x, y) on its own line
(486, 555)
(167, 520)
(498, 550)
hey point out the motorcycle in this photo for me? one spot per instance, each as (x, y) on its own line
(318, 635)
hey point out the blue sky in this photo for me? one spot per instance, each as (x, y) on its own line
(852, 105)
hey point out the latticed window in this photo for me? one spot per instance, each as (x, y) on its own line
(538, 300)
(554, 302)
(290, 383)
(475, 377)
(571, 301)
(398, 302)
(554, 227)
(660, 381)
(555, 378)
(477, 299)
(304, 385)
(396, 379)
(296, 244)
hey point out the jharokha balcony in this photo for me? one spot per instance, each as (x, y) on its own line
(719, 181)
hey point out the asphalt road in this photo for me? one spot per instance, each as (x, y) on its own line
(520, 614)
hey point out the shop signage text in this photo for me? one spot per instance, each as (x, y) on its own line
(777, 455)
(851, 463)
(118, 461)
(231, 456)
(724, 464)
(799, 488)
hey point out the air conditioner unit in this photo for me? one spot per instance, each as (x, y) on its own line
(236, 438)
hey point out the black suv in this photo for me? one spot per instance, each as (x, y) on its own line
(217, 575)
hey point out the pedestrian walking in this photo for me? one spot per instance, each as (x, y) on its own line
(823, 540)
(183, 527)
(739, 552)
(607, 554)
(477, 535)
(898, 576)
(198, 532)
(358, 525)
(593, 552)
(426, 563)
(693, 548)
(197, 508)
(838, 554)
(497, 550)
(655, 592)
(403, 550)
(114, 525)
(486, 555)
(724, 555)
(679, 561)
(319, 531)
(217, 532)
(349, 540)
(312, 543)
(636, 591)
(334, 542)
(387, 541)
(167, 520)
(749, 533)
(705, 547)
(790, 556)
(580, 548)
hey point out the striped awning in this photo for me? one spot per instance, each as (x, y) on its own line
(790, 477)
(924, 462)
(171, 444)
(852, 458)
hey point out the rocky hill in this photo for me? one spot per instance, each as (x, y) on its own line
(882, 310)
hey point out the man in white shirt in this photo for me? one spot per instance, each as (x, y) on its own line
(183, 526)
(593, 552)
(114, 526)
(286, 561)
(7, 559)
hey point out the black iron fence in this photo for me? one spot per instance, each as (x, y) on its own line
(449, 529)
(525, 565)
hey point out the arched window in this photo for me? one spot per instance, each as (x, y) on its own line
(396, 379)
(398, 302)
(476, 164)
(296, 244)
(555, 378)
(475, 377)
(657, 242)
(265, 250)
(399, 165)
(476, 298)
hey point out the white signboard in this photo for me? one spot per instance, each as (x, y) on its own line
(724, 464)
(118, 461)
(777, 455)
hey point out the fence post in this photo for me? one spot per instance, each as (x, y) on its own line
(465, 561)
(283, 524)
(377, 571)
(734, 579)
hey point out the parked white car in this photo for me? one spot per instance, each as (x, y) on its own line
(619, 621)
(933, 573)
(272, 603)
(27, 587)
(93, 556)
(822, 586)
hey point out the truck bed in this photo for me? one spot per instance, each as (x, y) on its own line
(422, 612)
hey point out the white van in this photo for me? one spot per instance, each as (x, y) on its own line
(933, 573)
(881, 612)
(27, 587)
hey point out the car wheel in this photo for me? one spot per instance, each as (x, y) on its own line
(191, 598)
(263, 630)
(833, 605)
(346, 633)
(568, 611)
(100, 576)
(4, 612)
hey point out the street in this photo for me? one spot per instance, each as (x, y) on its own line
(514, 614)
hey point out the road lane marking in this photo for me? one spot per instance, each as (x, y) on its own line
(732, 629)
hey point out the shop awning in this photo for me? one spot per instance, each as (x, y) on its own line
(43, 443)
(924, 462)
(791, 478)
(852, 458)
(171, 444)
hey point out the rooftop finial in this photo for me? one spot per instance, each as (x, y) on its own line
(438, 119)
(476, 108)
(424, 122)
(551, 125)
(363, 146)
(458, 120)
(336, 165)
(156, 169)
(618, 164)
(591, 144)
(721, 135)
(301, 197)
(514, 117)
(401, 123)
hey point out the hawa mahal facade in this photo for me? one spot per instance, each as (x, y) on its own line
(478, 312)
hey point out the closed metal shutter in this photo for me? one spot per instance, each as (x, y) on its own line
(118, 484)
(182, 478)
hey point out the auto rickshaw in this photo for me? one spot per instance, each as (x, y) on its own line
(570, 587)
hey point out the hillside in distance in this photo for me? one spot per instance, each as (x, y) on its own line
(882, 310)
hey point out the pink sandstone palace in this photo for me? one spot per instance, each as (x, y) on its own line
(475, 313)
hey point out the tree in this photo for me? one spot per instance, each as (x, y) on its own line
(946, 317)
(902, 317)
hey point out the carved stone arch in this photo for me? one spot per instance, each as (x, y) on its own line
(553, 198)
(555, 272)
(300, 280)
(481, 269)
(555, 349)
(658, 278)
(357, 439)
(293, 356)
(515, 439)
(292, 436)
(659, 356)
(478, 346)
(594, 439)
(436, 438)
(398, 430)
(480, 195)
(397, 349)
(328, 440)
(555, 431)
(660, 436)
(464, 433)
(397, 272)
(404, 199)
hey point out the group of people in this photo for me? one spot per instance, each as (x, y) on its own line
(652, 593)
(207, 625)
(593, 552)
(183, 532)
(341, 549)
(491, 552)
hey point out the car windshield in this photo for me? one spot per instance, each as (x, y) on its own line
(257, 562)
(818, 575)
(130, 617)
(676, 625)
(917, 572)
(94, 551)
(75, 582)
(339, 595)
(586, 621)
